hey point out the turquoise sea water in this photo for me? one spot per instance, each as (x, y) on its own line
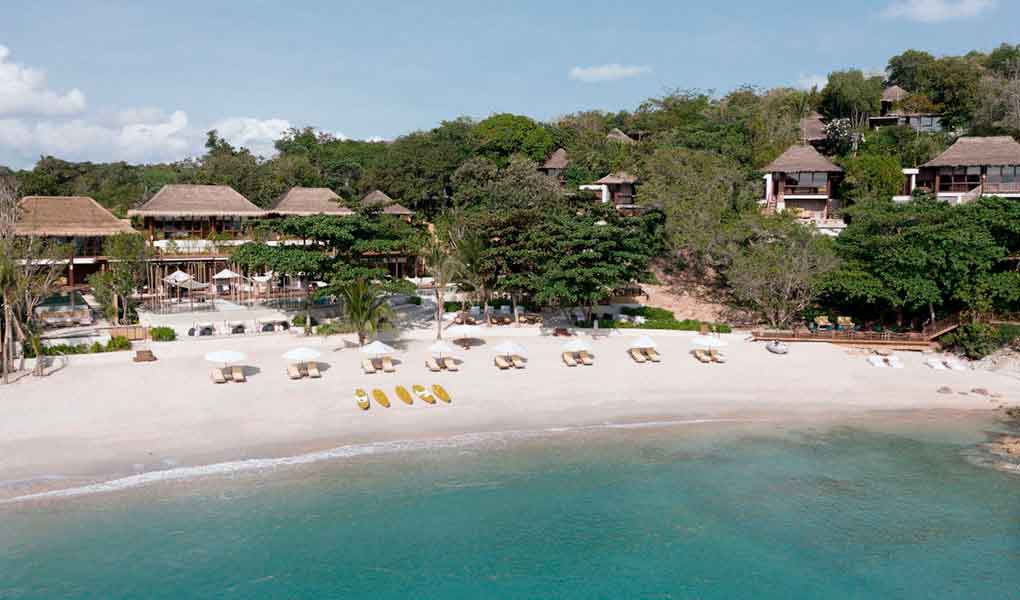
(696, 511)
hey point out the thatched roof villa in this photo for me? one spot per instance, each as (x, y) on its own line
(304, 201)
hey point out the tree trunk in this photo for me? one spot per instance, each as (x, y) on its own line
(440, 309)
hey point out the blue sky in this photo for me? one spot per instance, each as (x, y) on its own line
(142, 80)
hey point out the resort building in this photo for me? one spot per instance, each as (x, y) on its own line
(556, 164)
(889, 115)
(76, 221)
(379, 201)
(812, 130)
(618, 189)
(616, 135)
(182, 212)
(970, 168)
(302, 202)
(803, 181)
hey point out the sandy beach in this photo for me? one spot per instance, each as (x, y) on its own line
(102, 417)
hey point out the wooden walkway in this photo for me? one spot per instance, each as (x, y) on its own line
(921, 340)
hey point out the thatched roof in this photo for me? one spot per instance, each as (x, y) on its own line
(181, 200)
(979, 151)
(302, 201)
(618, 136)
(557, 160)
(617, 178)
(67, 216)
(389, 206)
(894, 93)
(801, 158)
(812, 129)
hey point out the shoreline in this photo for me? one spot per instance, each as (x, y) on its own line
(143, 420)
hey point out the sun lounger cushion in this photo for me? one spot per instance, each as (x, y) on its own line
(367, 366)
(293, 372)
(637, 355)
(568, 359)
(518, 362)
(217, 376)
(450, 364)
(501, 362)
(432, 365)
(586, 359)
(237, 374)
(313, 370)
(387, 365)
(653, 355)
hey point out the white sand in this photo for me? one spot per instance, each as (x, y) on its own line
(104, 416)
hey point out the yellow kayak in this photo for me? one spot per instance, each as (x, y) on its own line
(404, 395)
(380, 398)
(440, 393)
(361, 398)
(422, 393)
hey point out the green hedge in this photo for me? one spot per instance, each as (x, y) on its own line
(162, 334)
(657, 318)
(416, 300)
(116, 343)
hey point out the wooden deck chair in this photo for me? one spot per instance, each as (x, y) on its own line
(450, 364)
(702, 356)
(653, 355)
(586, 359)
(313, 370)
(387, 365)
(501, 362)
(237, 374)
(367, 366)
(217, 376)
(432, 365)
(637, 355)
(518, 362)
(568, 359)
(294, 372)
(716, 356)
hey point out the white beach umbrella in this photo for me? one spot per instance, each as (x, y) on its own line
(576, 346)
(509, 348)
(225, 356)
(441, 348)
(377, 348)
(643, 342)
(708, 341)
(177, 276)
(458, 332)
(226, 274)
(302, 354)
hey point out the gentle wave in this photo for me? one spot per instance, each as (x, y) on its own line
(339, 452)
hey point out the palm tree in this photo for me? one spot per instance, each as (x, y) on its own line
(365, 308)
(444, 267)
(470, 251)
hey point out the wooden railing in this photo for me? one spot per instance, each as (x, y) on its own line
(1005, 187)
(790, 190)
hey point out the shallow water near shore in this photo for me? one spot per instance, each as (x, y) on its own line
(894, 507)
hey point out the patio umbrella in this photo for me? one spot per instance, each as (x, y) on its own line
(643, 342)
(576, 346)
(302, 354)
(509, 348)
(707, 341)
(441, 348)
(177, 276)
(377, 348)
(225, 357)
(226, 274)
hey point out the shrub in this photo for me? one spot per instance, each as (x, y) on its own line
(416, 300)
(451, 306)
(116, 343)
(333, 328)
(162, 334)
(975, 340)
(648, 312)
(299, 320)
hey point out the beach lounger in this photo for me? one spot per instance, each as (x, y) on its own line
(144, 356)
(637, 355)
(217, 376)
(894, 362)
(518, 362)
(387, 365)
(450, 364)
(653, 355)
(702, 356)
(294, 372)
(936, 364)
(361, 398)
(423, 394)
(237, 374)
(501, 362)
(440, 392)
(568, 359)
(717, 356)
(432, 365)
(955, 365)
(877, 361)
(313, 370)
(404, 395)
(367, 366)
(380, 398)
(586, 359)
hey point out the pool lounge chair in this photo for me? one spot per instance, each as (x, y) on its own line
(294, 372)
(653, 355)
(501, 362)
(449, 364)
(387, 365)
(432, 365)
(367, 366)
(237, 374)
(568, 359)
(217, 376)
(518, 362)
(637, 355)
(586, 359)
(313, 370)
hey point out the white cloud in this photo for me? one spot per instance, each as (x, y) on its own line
(257, 135)
(23, 91)
(806, 82)
(937, 11)
(610, 72)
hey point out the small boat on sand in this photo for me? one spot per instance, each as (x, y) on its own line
(777, 347)
(380, 398)
(440, 393)
(361, 398)
(404, 395)
(423, 394)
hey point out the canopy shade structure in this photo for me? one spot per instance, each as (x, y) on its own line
(509, 348)
(576, 346)
(177, 276)
(302, 354)
(643, 342)
(225, 356)
(226, 274)
(441, 348)
(191, 284)
(708, 341)
(377, 348)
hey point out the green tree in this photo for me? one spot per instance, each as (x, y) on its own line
(952, 83)
(126, 272)
(905, 69)
(851, 95)
(868, 176)
(365, 308)
(444, 268)
(501, 136)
